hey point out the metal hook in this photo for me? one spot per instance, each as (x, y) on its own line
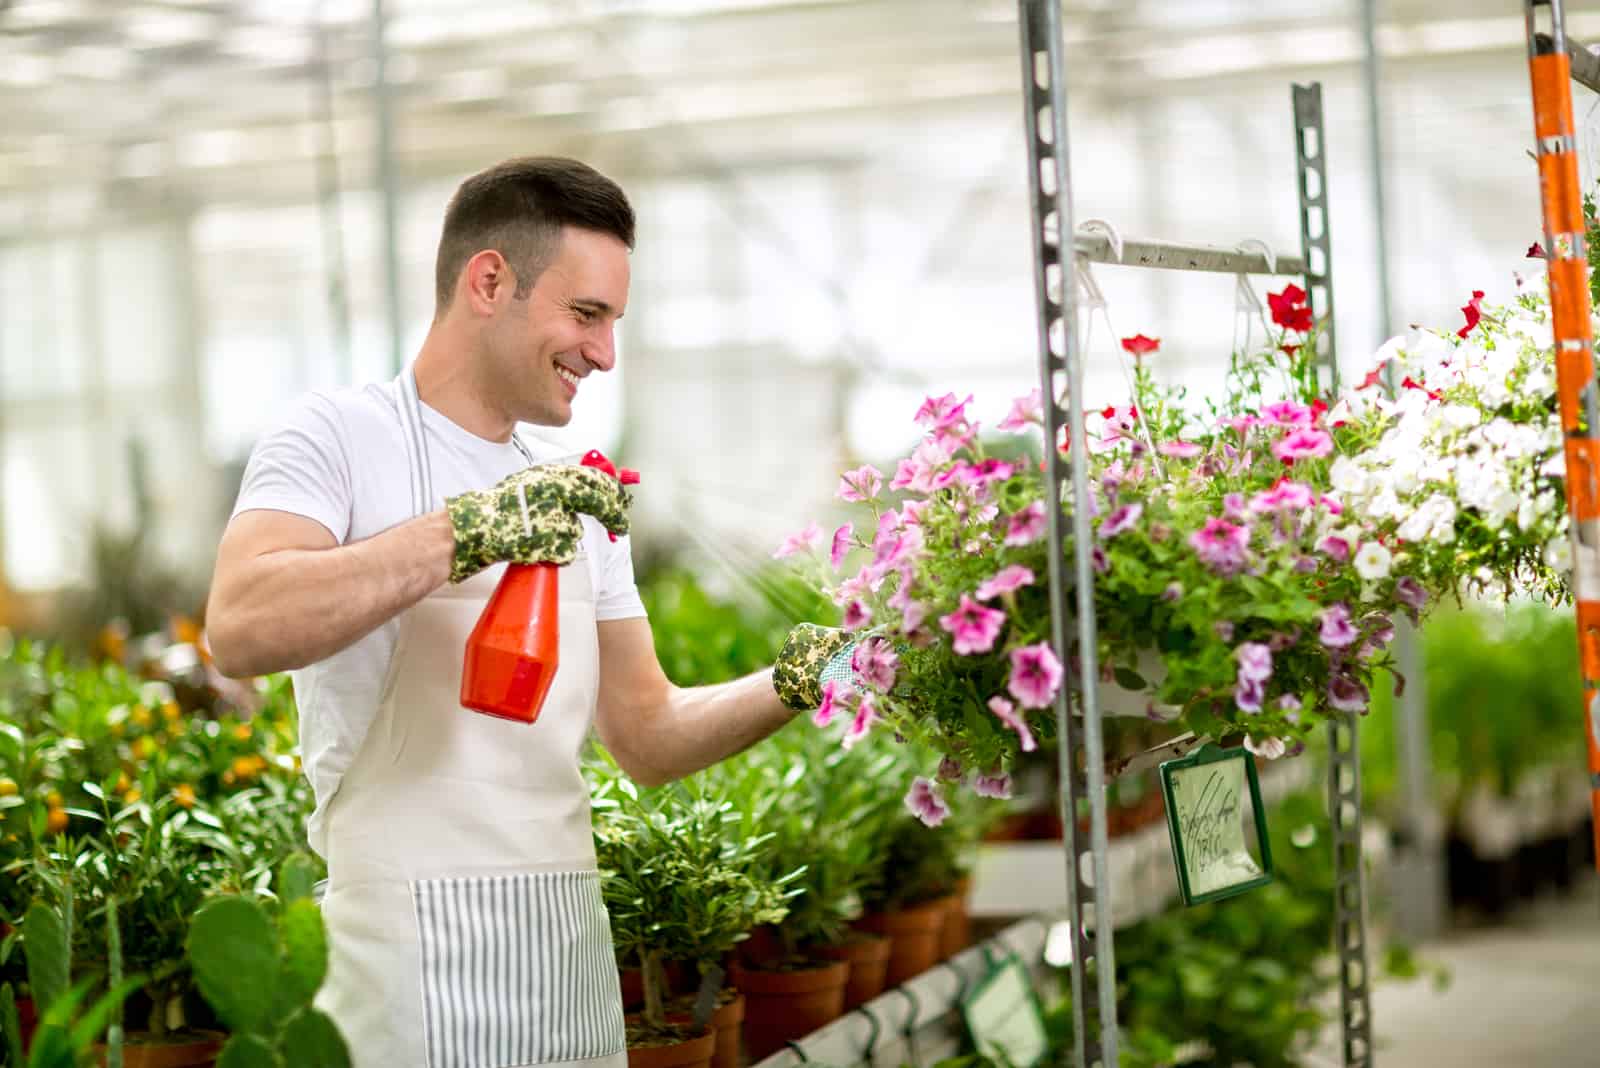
(1112, 235)
(1093, 297)
(877, 1031)
(916, 1008)
(1266, 252)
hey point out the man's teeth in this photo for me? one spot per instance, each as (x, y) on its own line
(568, 377)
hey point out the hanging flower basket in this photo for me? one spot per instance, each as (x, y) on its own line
(1249, 558)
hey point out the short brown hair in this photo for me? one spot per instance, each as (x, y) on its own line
(518, 208)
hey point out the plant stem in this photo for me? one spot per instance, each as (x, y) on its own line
(655, 982)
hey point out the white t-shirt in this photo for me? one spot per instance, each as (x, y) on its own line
(339, 458)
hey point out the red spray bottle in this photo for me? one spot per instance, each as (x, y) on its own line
(513, 652)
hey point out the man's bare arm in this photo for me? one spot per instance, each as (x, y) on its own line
(659, 732)
(285, 594)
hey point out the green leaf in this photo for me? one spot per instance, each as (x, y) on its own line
(305, 962)
(312, 1038)
(297, 878)
(44, 941)
(10, 1025)
(94, 1022)
(234, 952)
(249, 1051)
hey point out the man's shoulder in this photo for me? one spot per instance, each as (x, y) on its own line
(361, 412)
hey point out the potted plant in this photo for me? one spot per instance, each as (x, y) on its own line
(823, 820)
(682, 886)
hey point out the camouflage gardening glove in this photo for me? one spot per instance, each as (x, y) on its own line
(531, 517)
(811, 655)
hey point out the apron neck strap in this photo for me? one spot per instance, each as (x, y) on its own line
(416, 447)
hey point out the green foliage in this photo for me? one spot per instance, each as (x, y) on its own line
(1502, 695)
(260, 971)
(679, 877)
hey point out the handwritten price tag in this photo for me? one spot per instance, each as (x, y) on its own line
(1211, 797)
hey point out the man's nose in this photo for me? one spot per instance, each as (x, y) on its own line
(602, 350)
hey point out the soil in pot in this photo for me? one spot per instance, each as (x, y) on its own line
(188, 1049)
(727, 1021)
(675, 1046)
(782, 1004)
(914, 931)
(868, 956)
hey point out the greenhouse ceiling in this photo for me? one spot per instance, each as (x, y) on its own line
(142, 101)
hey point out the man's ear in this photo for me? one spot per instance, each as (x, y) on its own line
(486, 280)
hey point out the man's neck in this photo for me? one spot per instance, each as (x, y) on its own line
(446, 384)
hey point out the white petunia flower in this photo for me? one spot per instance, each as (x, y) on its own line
(1372, 561)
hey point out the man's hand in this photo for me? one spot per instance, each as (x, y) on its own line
(531, 517)
(810, 656)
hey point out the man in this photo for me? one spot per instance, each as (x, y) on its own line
(463, 904)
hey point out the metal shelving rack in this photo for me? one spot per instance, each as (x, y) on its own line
(1082, 760)
(1554, 62)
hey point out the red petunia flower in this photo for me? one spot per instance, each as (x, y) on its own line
(1473, 310)
(1411, 383)
(1536, 252)
(1289, 309)
(1138, 346)
(1289, 350)
(1374, 378)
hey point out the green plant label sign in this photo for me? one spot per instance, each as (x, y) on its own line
(1211, 796)
(1003, 1017)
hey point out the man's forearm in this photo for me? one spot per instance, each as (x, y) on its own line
(698, 726)
(293, 607)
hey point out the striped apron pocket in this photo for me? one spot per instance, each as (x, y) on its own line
(517, 970)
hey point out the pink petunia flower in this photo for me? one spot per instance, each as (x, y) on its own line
(1122, 520)
(941, 411)
(1255, 661)
(926, 802)
(1335, 547)
(1337, 630)
(1248, 695)
(1330, 504)
(973, 626)
(1239, 424)
(1286, 496)
(1025, 411)
(874, 662)
(1011, 578)
(832, 700)
(997, 786)
(1410, 594)
(1304, 443)
(1288, 413)
(1179, 450)
(866, 716)
(841, 544)
(862, 484)
(1266, 748)
(1028, 525)
(912, 615)
(1221, 546)
(1007, 713)
(1235, 508)
(795, 543)
(1035, 675)
(856, 615)
(1347, 694)
(993, 470)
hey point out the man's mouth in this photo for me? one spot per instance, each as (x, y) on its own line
(567, 376)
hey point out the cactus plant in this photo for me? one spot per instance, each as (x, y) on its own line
(260, 972)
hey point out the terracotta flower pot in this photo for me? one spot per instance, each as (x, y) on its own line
(632, 979)
(957, 932)
(762, 947)
(695, 1052)
(915, 932)
(781, 1005)
(727, 1021)
(868, 955)
(191, 1050)
(27, 1019)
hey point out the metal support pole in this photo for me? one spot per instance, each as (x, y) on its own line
(1567, 269)
(386, 185)
(1349, 888)
(1044, 90)
(1311, 151)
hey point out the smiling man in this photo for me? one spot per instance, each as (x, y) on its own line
(463, 904)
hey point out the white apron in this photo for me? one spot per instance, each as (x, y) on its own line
(463, 907)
